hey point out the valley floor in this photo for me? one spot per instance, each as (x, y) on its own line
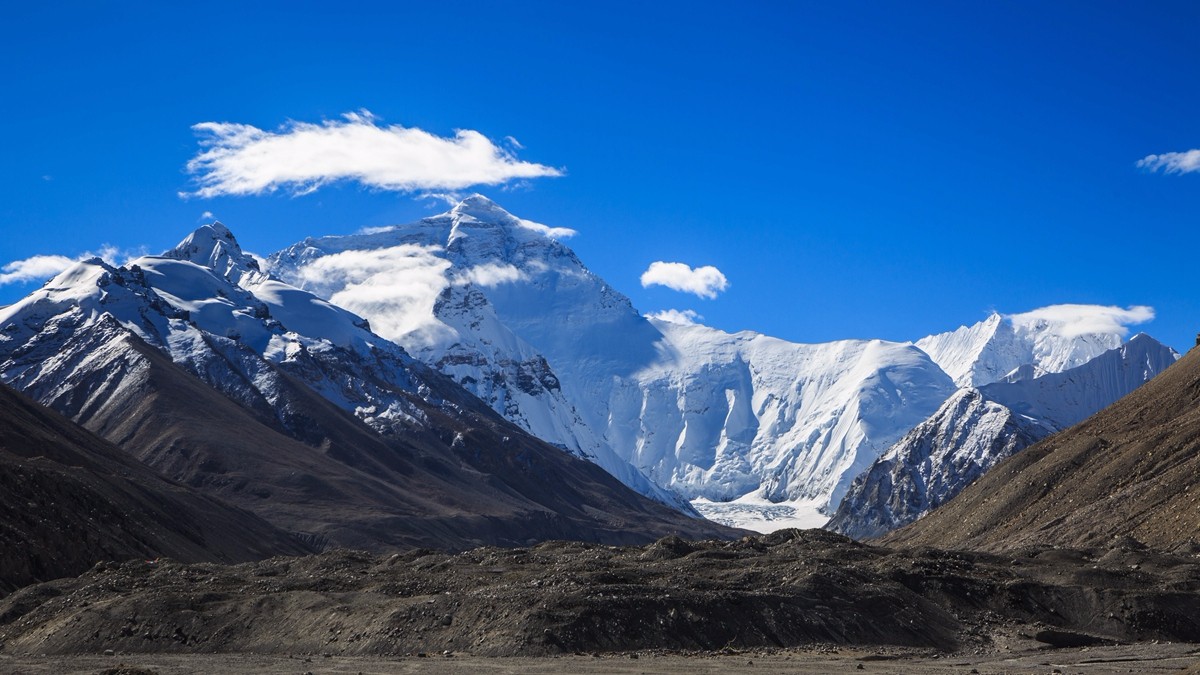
(761, 603)
(1135, 658)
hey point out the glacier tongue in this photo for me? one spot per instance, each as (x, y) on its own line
(505, 308)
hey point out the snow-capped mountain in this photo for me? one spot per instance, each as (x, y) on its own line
(1020, 345)
(1061, 400)
(441, 467)
(494, 300)
(431, 287)
(977, 428)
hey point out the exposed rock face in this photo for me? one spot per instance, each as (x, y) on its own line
(932, 463)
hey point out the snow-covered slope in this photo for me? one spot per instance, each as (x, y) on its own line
(977, 428)
(490, 298)
(994, 348)
(722, 417)
(1061, 400)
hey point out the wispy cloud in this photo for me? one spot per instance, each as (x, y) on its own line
(490, 274)
(207, 215)
(1076, 320)
(705, 282)
(395, 288)
(687, 317)
(240, 159)
(1172, 162)
(43, 267)
(34, 268)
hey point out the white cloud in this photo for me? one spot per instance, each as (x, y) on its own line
(687, 317)
(546, 230)
(240, 159)
(1172, 162)
(43, 267)
(207, 215)
(1076, 320)
(490, 274)
(396, 288)
(35, 268)
(705, 282)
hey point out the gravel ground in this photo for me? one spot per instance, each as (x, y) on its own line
(792, 589)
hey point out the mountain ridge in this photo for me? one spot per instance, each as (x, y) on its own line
(338, 433)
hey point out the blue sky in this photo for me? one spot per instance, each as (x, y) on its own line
(878, 169)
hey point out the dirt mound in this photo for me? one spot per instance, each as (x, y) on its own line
(786, 589)
(1130, 471)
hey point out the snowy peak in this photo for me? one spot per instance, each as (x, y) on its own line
(1019, 346)
(480, 209)
(214, 246)
(1066, 398)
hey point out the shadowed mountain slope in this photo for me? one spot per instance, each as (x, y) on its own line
(1132, 469)
(69, 499)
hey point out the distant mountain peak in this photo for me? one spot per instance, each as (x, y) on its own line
(215, 247)
(480, 207)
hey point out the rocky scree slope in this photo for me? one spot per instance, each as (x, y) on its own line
(69, 499)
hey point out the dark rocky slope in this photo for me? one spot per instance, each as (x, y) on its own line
(69, 499)
(785, 589)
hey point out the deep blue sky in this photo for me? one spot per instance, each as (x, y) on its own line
(881, 169)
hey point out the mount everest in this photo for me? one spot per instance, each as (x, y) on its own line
(752, 430)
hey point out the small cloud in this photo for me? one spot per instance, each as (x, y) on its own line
(47, 178)
(514, 143)
(686, 317)
(1075, 320)
(376, 230)
(490, 274)
(43, 267)
(546, 230)
(240, 159)
(705, 282)
(34, 268)
(207, 215)
(1172, 162)
(441, 198)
